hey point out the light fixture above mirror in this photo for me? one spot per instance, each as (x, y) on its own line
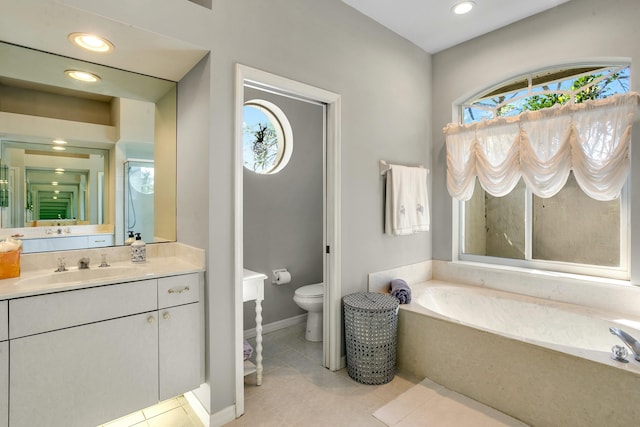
(83, 76)
(463, 7)
(91, 42)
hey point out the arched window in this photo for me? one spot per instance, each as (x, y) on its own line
(567, 232)
(267, 142)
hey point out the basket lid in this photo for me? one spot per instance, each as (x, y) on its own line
(372, 301)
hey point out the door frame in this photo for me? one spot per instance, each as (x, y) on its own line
(332, 319)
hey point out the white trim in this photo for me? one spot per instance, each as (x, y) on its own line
(620, 274)
(332, 300)
(277, 325)
(283, 131)
(222, 417)
(198, 408)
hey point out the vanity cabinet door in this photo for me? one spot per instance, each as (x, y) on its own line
(180, 350)
(85, 375)
(4, 384)
(4, 320)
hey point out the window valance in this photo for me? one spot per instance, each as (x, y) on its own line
(592, 138)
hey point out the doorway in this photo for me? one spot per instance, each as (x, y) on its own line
(332, 331)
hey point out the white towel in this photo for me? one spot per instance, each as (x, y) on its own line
(407, 201)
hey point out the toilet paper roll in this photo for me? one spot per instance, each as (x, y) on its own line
(283, 277)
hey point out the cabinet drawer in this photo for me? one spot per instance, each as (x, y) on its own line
(4, 320)
(49, 312)
(177, 290)
(100, 241)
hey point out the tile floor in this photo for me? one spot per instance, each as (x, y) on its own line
(296, 391)
(170, 413)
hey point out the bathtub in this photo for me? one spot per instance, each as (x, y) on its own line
(543, 362)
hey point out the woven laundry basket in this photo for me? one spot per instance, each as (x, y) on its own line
(371, 335)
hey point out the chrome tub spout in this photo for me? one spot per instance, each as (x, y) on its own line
(630, 341)
(83, 263)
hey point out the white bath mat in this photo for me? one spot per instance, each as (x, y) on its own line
(428, 404)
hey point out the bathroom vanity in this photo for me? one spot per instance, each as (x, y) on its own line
(90, 347)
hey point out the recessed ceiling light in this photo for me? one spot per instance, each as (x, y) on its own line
(91, 42)
(55, 198)
(56, 191)
(59, 141)
(58, 148)
(83, 76)
(463, 7)
(59, 171)
(54, 182)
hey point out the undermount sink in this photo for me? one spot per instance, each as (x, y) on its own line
(75, 275)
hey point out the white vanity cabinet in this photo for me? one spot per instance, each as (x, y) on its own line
(85, 357)
(85, 375)
(4, 364)
(180, 334)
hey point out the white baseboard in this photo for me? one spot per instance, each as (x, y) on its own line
(216, 419)
(274, 326)
(198, 408)
(223, 417)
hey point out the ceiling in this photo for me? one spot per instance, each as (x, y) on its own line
(45, 25)
(431, 25)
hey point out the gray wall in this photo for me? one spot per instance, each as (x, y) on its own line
(385, 87)
(283, 214)
(573, 32)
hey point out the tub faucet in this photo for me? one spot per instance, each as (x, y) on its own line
(631, 342)
(83, 263)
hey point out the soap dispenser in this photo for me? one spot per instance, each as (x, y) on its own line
(138, 250)
(130, 239)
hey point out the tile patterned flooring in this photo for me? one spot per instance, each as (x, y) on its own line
(297, 391)
(174, 412)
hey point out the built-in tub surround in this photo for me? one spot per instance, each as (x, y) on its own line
(543, 362)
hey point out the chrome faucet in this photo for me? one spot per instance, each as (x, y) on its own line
(83, 263)
(631, 342)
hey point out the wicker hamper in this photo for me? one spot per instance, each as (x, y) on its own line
(371, 326)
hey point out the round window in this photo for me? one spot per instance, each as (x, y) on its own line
(267, 137)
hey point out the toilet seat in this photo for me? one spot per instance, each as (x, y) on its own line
(310, 291)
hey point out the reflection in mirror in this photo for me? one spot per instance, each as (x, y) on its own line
(139, 191)
(116, 168)
(42, 187)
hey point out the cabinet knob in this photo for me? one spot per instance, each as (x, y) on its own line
(178, 291)
(151, 319)
(166, 315)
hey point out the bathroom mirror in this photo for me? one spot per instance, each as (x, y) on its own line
(103, 131)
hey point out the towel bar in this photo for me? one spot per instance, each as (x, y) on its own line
(384, 167)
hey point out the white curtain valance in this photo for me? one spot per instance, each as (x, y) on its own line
(592, 138)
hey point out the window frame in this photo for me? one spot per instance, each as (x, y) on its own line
(528, 264)
(284, 134)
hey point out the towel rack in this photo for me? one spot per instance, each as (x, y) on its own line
(384, 167)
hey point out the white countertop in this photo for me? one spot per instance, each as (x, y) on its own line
(38, 275)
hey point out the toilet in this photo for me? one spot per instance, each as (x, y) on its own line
(311, 298)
